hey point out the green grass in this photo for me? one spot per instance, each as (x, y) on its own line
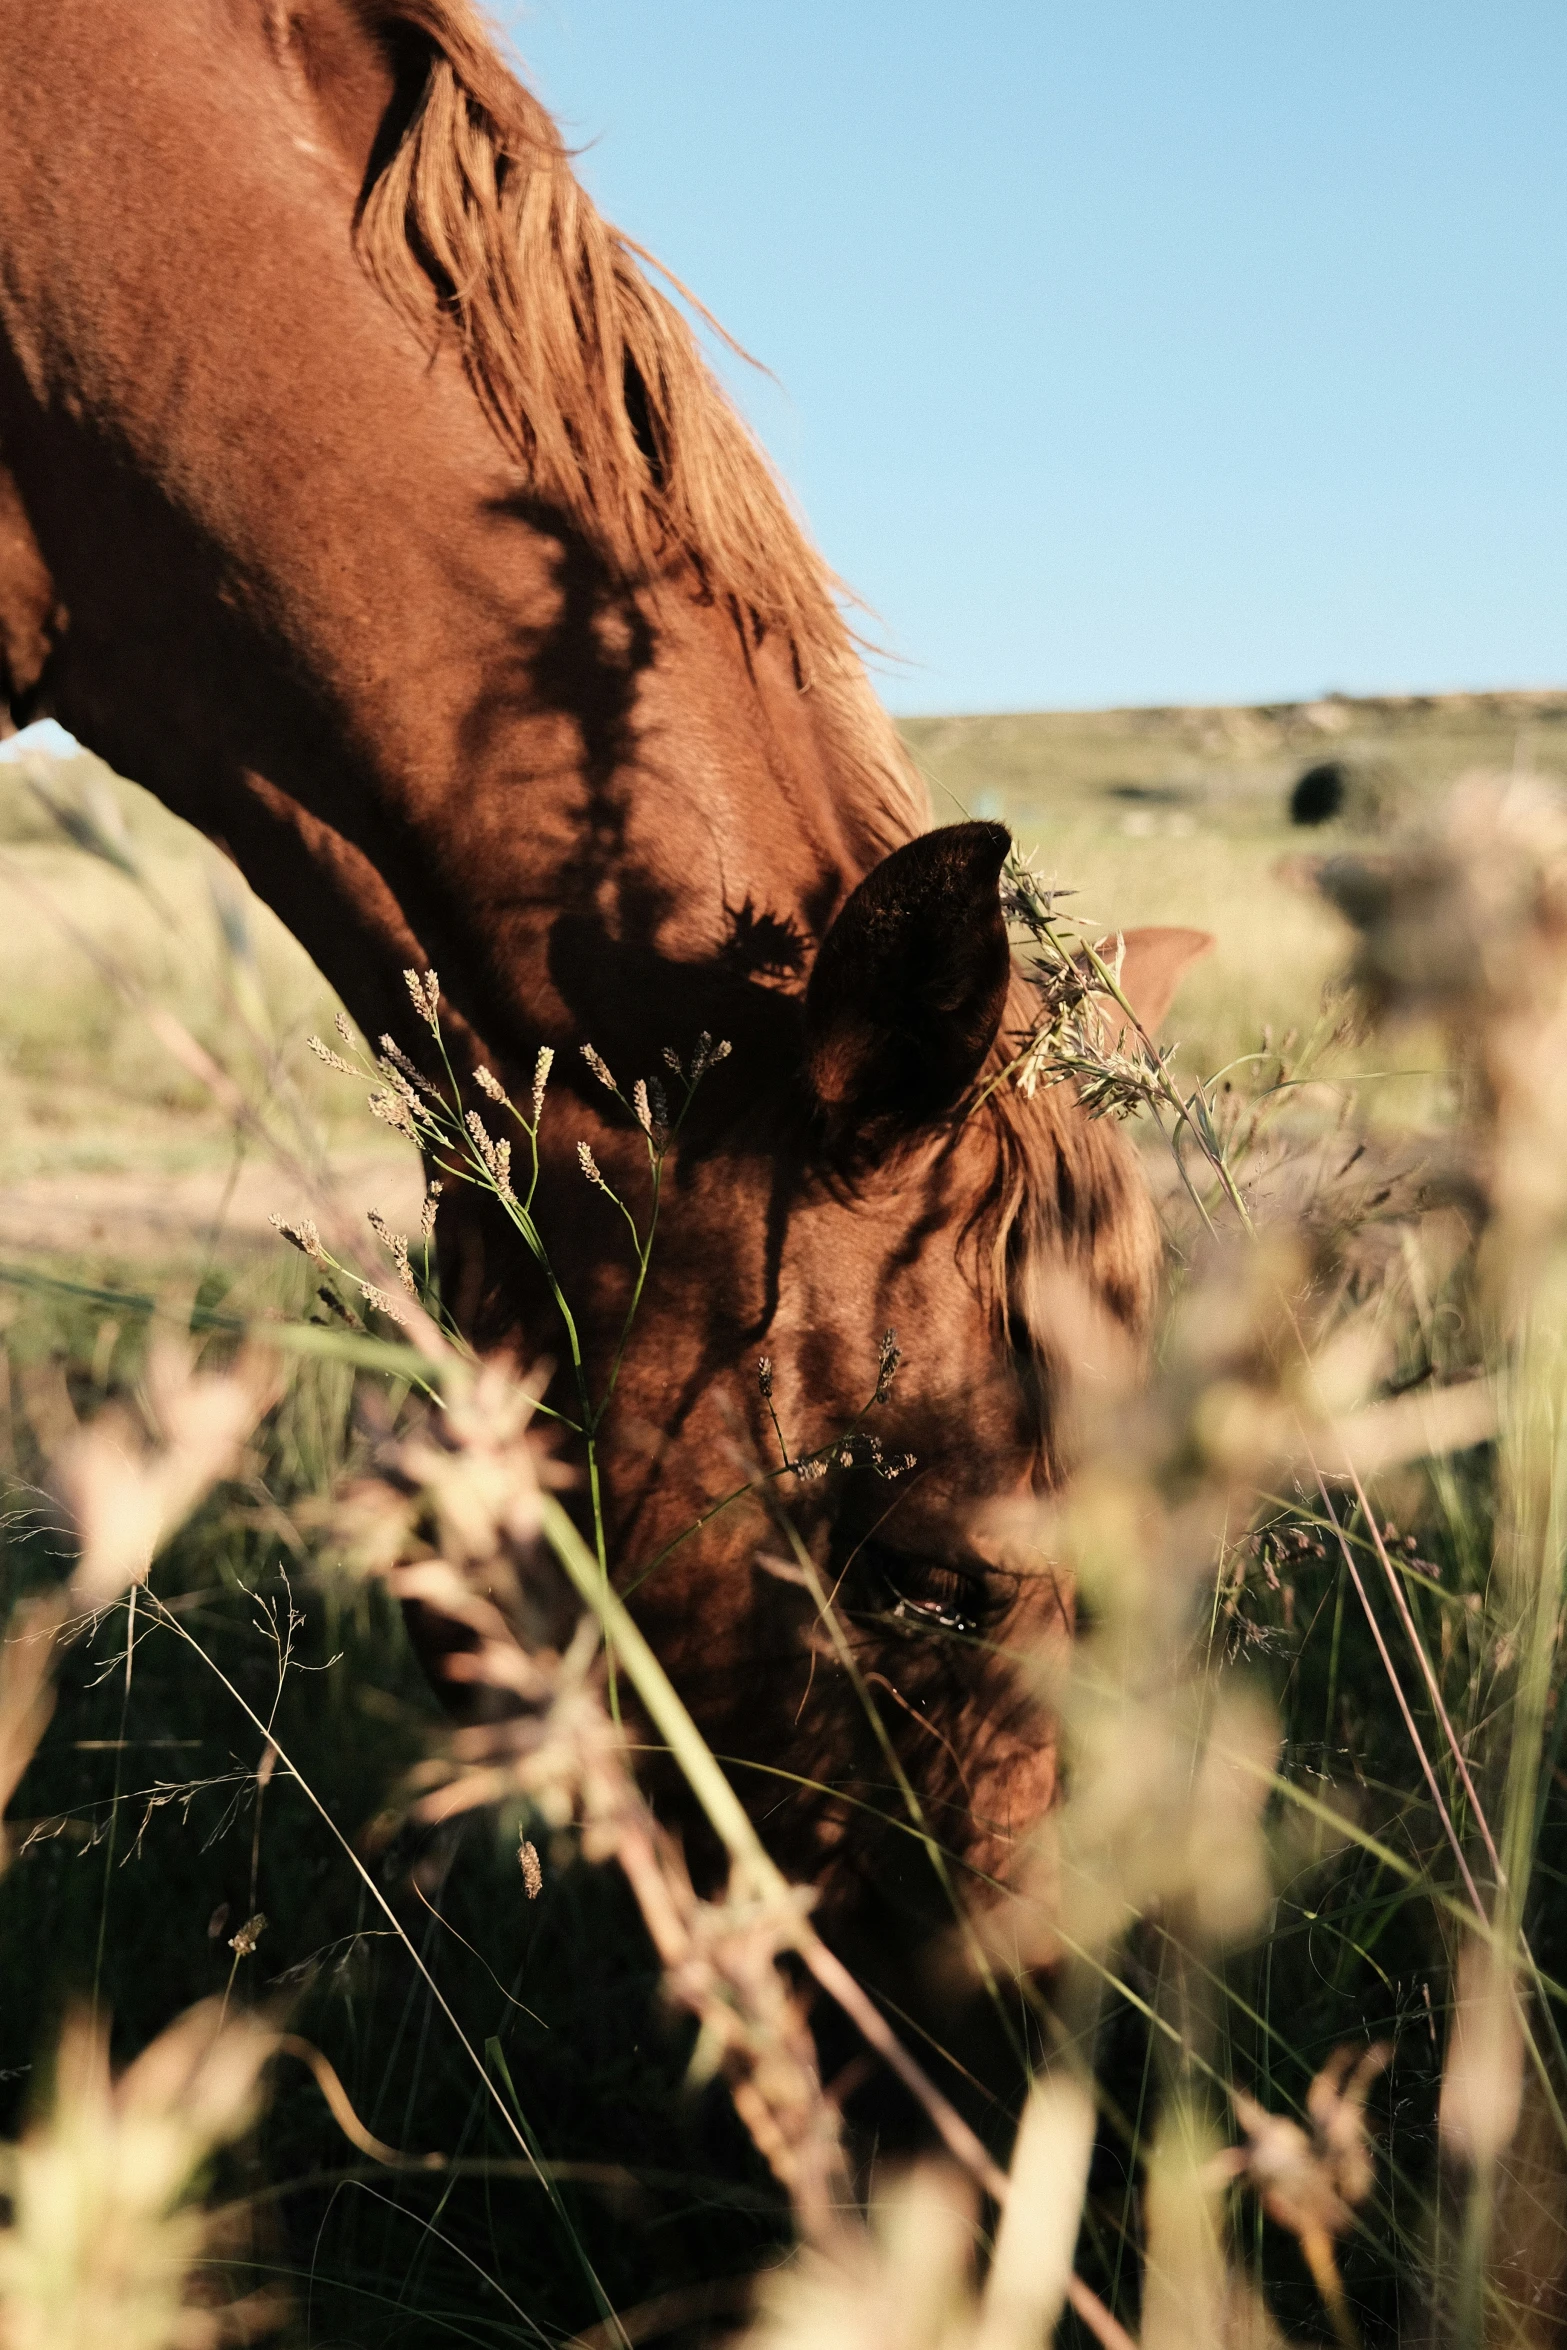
(152, 1846)
(149, 1823)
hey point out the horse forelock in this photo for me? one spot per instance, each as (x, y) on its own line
(594, 380)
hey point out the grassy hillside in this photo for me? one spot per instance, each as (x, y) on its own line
(1150, 815)
(1226, 765)
(1182, 816)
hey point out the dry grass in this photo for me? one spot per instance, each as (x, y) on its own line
(86, 1090)
(1294, 2066)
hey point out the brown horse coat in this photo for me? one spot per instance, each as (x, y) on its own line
(361, 496)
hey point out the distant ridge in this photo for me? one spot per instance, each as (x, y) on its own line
(1023, 764)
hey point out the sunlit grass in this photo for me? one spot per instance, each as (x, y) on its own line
(1411, 1656)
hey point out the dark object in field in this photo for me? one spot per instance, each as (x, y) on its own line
(1362, 794)
(1320, 794)
(405, 544)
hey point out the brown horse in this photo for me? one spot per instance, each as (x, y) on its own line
(363, 496)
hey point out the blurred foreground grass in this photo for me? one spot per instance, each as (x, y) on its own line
(153, 1833)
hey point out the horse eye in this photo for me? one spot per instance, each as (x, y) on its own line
(929, 1593)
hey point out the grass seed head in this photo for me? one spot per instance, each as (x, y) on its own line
(125, 1494)
(496, 1156)
(382, 1302)
(541, 1077)
(393, 1110)
(244, 1942)
(1482, 2079)
(403, 1073)
(424, 991)
(396, 1245)
(105, 2243)
(708, 1055)
(302, 1234)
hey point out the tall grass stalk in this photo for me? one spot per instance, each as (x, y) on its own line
(1201, 1857)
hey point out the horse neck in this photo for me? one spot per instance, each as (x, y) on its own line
(636, 829)
(313, 606)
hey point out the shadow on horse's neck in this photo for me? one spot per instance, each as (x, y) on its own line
(303, 592)
(607, 836)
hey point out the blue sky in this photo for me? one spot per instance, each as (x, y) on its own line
(1128, 350)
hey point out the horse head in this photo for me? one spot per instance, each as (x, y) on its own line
(879, 1271)
(411, 549)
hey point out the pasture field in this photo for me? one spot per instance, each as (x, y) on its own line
(1180, 816)
(213, 1810)
(1149, 816)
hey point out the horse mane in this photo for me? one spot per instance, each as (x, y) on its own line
(592, 377)
(1070, 1243)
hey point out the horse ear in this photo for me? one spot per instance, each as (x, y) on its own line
(909, 985)
(1153, 966)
